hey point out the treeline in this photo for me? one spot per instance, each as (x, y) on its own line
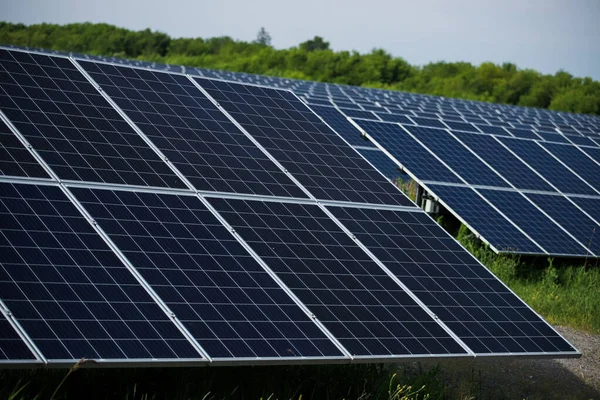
(314, 60)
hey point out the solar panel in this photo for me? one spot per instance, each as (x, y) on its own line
(428, 122)
(358, 113)
(523, 133)
(73, 128)
(461, 126)
(582, 227)
(457, 157)
(299, 140)
(384, 164)
(219, 292)
(492, 130)
(398, 118)
(547, 166)
(15, 158)
(545, 232)
(484, 219)
(414, 157)
(12, 347)
(192, 132)
(573, 158)
(339, 123)
(460, 291)
(503, 161)
(347, 291)
(69, 291)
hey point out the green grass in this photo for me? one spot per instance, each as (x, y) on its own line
(365, 381)
(563, 294)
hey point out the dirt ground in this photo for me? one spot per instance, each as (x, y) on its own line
(529, 378)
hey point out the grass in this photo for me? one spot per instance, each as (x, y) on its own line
(366, 381)
(563, 294)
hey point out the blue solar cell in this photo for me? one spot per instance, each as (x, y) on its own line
(547, 166)
(339, 123)
(492, 130)
(358, 113)
(302, 143)
(73, 128)
(459, 290)
(69, 291)
(533, 222)
(582, 227)
(192, 132)
(484, 219)
(592, 152)
(592, 207)
(428, 122)
(384, 164)
(399, 118)
(503, 161)
(523, 133)
(553, 137)
(413, 156)
(15, 159)
(582, 140)
(12, 347)
(346, 290)
(573, 158)
(223, 296)
(318, 102)
(453, 153)
(460, 126)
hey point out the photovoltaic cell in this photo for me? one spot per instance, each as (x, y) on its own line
(492, 130)
(532, 221)
(398, 118)
(72, 126)
(12, 347)
(358, 113)
(408, 151)
(384, 164)
(428, 122)
(523, 133)
(547, 166)
(461, 126)
(341, 125)
(225, 299)
(482, 217)
(192, 132)
(592, 207)
(572, 157)
(503, 161)
(582, 227)
(471, 301)
(453, 153)
(15, 159)
(303, 144)
(69, 291)
(348, 292)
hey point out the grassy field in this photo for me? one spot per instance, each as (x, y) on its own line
(563, 294)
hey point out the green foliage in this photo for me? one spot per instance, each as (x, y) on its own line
(563, 295)
(314, 60)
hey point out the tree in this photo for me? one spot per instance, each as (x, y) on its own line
(314, 44)
(263, 37)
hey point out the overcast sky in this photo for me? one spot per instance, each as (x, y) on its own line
(546, 35)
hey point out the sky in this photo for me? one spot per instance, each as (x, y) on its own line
(545, 35)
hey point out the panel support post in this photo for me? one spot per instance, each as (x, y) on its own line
(419, 196)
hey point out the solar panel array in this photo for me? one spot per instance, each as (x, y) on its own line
(152, 216)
